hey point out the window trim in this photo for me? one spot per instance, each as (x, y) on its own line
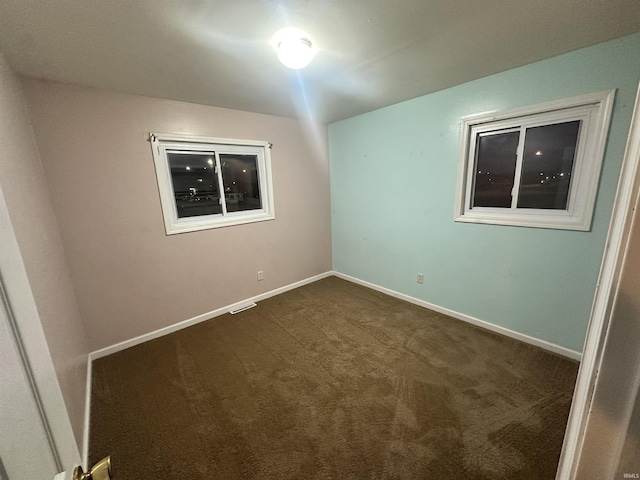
(593, 109)
(162, 142)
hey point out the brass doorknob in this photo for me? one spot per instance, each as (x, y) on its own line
(100, 471)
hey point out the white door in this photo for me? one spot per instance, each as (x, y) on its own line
(36, 438)
(25, 449)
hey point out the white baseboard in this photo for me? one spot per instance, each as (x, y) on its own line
(103, 352)
(221, 311)
(552, 347)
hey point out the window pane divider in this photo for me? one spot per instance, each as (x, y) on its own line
(223, 199)
(515, 190)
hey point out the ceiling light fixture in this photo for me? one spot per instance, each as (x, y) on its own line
(295, 48)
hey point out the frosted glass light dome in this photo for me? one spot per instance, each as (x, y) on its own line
(295, 48)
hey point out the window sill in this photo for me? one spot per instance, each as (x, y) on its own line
(187, 225)
(557, 221)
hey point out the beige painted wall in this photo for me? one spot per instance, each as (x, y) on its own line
(130, 277)
(28, 202)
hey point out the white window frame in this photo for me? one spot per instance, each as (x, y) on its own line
(594, 112)
(163, 142)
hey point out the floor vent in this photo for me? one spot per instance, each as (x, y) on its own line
(242, 308)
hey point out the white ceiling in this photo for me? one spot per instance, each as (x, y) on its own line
(372, 53)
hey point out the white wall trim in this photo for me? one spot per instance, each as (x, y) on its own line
(162, 144)
(592, 110)
(103, 352)
(87, 416)
(552, 347)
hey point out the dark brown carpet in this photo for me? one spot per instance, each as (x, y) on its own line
(332, 381)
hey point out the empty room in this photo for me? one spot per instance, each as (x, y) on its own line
(312, 239)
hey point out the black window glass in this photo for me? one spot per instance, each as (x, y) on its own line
(240, 179)
(195, 184)
(495, 169)
(547, 165)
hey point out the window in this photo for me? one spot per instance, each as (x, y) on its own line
(212, 182)
(536, 166)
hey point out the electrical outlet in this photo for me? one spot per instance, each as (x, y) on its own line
(420, 278)
(260, 275)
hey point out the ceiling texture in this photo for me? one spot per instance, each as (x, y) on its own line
(371, 53)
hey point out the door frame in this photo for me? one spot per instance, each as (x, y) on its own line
(22, 313)
(627, 197)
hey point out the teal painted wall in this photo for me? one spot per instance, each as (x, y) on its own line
(393, 181)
